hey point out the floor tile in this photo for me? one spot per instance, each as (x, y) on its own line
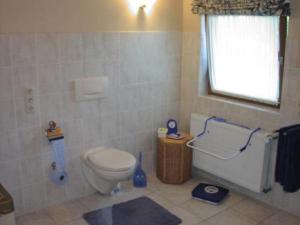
(230, 217)
(96, 201)
(205, 223)
(205, 210)
(154, 183)
(160, 200)
(36, 218)
(185, 216)
(282, 218)
(175, 194)
(254, 210)
(67, 212)
(75, 222)
(235, 210)
(128, 190)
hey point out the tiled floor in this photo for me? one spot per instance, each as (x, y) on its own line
(236, 210)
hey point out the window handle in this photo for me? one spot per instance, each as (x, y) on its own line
(281, 60)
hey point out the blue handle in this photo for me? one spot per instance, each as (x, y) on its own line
(249, 139)
(205, 126)
(140, 159)
(222, 120)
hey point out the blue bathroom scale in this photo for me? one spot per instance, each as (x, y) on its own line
(210, 193)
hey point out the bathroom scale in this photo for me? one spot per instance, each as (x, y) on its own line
(210, 193)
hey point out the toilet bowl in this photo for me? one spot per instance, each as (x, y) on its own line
(105, 168)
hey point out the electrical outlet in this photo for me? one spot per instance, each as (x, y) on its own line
(30, 101)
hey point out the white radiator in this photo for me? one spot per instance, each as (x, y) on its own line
(248, 169)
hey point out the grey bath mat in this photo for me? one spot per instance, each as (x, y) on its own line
(140, 211)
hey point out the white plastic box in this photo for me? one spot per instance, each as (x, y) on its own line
(8, 219)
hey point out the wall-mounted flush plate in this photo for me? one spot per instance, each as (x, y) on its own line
(29, 101)
(91, 88)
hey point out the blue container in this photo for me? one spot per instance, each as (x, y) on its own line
(210, 193)
(139, 176)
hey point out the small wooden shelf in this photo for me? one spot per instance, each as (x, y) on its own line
(174, 160)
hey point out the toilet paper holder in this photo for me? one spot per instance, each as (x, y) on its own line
(57, 171)
(54, 132)
(61, 177)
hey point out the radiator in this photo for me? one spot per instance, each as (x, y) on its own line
(248, 169)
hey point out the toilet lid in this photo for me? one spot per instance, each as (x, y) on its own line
(112, 160)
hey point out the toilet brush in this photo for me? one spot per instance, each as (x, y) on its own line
(139, 176)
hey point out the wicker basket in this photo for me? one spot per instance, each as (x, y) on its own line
(174, 161)
(6, 202)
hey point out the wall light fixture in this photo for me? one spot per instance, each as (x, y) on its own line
(146, 5)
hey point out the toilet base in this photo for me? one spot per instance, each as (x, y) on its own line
(101, 185)
(116, 189)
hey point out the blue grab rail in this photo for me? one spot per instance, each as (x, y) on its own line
(205, 126)
(249, 139)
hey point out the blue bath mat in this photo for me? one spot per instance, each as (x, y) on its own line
(140, 211)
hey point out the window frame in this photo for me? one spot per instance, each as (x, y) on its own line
(283, 32)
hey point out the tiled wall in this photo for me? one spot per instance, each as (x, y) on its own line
(144, 72)
(194, 98)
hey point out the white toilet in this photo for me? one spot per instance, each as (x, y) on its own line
(104, 168)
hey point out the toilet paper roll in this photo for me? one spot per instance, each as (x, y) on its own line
(57, 172)
(59, 177)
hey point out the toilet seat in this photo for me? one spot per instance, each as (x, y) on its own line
(112, 160)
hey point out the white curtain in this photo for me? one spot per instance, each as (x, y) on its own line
(244, 56)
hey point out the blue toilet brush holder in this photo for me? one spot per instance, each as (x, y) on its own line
(139, 176)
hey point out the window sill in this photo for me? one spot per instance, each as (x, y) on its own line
(246, 105)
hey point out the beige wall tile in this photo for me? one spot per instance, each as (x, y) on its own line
(32, 171)
(110, 126)
(6, 83)
(70, 47)
(50, 79)
(10, 172)
(9, 146)
(92, 129)
(5, 52)
(25, 117)
(31, 141)
(128, 121)
(24, 78)
(39, 201)
(7, 115)
(70, 72)
(73, 133)
(142, 97)
(23, 49)
(47, 48)
(55, 193)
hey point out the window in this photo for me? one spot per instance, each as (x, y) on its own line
(245, 57)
